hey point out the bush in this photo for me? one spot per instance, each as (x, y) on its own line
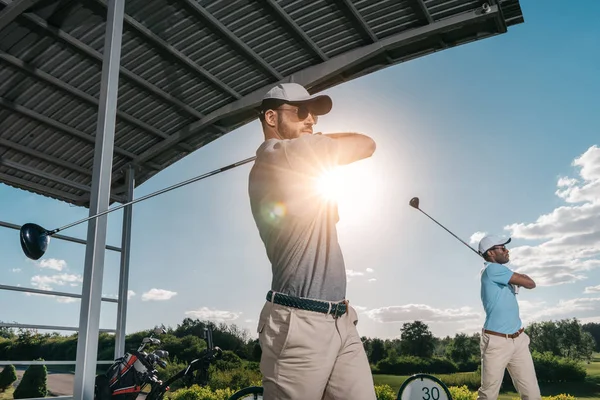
(230, 361)
(550, 368)
(462, 393)
(7, 377)
(33, 383)
(414, 365)
(196, 392)
(235, 379)
(384, 392)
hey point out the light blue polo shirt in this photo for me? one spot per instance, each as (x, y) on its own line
(499, 299)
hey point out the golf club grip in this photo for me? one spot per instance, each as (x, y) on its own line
(463, 242)
(165, 190)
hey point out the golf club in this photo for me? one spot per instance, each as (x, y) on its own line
(414, 202)
(35, 239)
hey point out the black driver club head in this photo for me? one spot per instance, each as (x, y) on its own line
(34, 240)
(414, 202)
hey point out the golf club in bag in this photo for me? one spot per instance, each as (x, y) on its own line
(414, 203)
(35, 239)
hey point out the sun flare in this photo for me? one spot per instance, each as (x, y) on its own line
(331, 184)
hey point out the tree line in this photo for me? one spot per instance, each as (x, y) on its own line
(566, 338)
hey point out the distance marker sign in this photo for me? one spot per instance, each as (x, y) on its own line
(423, 387)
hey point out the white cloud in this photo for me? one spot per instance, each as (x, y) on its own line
(476, 237)
(352, 273)
(66, 299)
(568, 237)
(53, 263)
(205, 313)
(130, 294)
(592, 289)
(372, 279)
(422, 312)
(158, 294)
(44, 281)
(16, 270)
(370, 270)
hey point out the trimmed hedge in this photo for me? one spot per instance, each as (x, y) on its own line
(33, 383)
(7, 377)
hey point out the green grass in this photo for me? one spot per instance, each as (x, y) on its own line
(589, 390)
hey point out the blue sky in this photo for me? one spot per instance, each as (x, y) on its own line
(496, 136)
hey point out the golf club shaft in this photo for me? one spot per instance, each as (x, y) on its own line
(165, 190)
(463, 242)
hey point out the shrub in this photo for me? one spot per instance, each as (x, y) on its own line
(196, 392)
(550, 368)
(230, 361)
(33, 383)
(7, 377)
(462, 393)
(235, 379)
(384, 392)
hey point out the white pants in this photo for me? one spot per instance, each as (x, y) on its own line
(499, 353)
(312, 356)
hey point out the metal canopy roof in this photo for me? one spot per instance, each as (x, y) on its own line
(191, 71)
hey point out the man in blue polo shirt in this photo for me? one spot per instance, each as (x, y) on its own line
(504, 344)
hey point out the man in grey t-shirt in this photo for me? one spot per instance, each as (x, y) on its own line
(307, 330)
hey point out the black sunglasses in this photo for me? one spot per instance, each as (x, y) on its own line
(301, 111)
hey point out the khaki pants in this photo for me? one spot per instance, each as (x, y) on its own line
(499, 353)
(312, 356)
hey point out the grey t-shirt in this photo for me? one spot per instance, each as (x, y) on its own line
(295, 222)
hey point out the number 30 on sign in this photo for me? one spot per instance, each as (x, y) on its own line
(423, 387)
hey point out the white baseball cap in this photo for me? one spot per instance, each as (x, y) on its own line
(487, 242)
(294, 93)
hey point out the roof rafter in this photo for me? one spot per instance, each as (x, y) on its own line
(93, 54)
(280, 12)
(43, 156)
(9, 105)
(13, 10)
(226, 33)
(173, 52)
(81, 95)
(355, 16)
(313, 75)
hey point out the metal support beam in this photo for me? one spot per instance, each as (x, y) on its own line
(51, 177)
(13, 10)
(80, 95)
(358, 20)
(43, 156)
(61, 237)
(216, 25)
(280, 12)
(89, 318)
(91, 53)
(124, 272)
(50, 292)
(42, 189)
(51, 328)
(173, 53)
(9, 105)
(315, 75)
(422, 10)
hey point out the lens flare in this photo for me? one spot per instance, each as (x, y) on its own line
(330, 185)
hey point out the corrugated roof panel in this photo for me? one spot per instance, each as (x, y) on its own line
(165, 94)
(447, 9)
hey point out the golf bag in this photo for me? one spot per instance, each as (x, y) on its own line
(124, 379)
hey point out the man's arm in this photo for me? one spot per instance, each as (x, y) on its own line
(522, 280)
(352, 146)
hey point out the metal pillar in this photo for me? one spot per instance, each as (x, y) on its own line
(124, 274)
(89, 318)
